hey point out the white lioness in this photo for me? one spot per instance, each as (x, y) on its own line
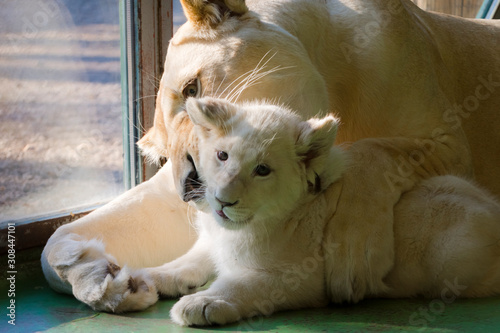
(424, 86)
(271, 236)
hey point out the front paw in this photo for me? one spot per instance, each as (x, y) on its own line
(125, 290)
(197, 310)
(177, 281)
(94, 277)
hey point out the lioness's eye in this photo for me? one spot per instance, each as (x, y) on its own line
(191, 89)
(222, 155)
(262, 170)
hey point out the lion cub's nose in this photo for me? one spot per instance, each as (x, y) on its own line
(225, 203)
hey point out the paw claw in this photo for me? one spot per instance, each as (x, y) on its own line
(113, 269)
(132, 285)
(195, 310)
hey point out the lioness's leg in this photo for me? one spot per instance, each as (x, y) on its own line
(447, 240)
(186, 273)
(146, 226)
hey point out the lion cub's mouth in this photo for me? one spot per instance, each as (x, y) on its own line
(231, 223)
(221, 214)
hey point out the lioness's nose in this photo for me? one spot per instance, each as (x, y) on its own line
(225, 203)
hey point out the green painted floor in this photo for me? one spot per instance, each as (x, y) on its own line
(39, 309)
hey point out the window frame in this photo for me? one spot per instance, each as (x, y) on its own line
(146, 27)
(149, 29)
(490, 9)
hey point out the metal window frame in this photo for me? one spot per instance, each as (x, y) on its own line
(148, 30)
(490, 9)
(146, 27)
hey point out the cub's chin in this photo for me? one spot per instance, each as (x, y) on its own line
(229, 222)
(231, 225)
(228, 219)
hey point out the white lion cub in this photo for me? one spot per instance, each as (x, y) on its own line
(270, 235)
(263, 168)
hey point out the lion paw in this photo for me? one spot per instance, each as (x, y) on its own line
(94, 277)
(197, 310)
(125, 291)
(174, 283)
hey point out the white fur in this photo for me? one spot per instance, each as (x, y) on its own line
(314, 57)
(76, 259)
(447, 230)
(352, 58)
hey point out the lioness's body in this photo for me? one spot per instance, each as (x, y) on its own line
(389, 70)
(403, 72)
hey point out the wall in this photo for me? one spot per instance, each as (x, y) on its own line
(465, 8)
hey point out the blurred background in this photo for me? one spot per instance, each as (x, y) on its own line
(464, 8)
(60, 105)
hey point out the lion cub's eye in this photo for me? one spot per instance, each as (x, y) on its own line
(191, 89)
(222, 155)
(262, 170)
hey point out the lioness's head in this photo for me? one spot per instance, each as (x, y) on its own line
(259, 161)
(227, 51)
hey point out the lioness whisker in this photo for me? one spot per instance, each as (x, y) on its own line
(143, 97)
(191, 218)
(137, 126)
(196, 182)
(152, 79)
(220, 84)
(249, 78)
(255, 80)
(235, 80)
(248, 74)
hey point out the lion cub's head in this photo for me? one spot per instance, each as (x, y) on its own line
(259, 161)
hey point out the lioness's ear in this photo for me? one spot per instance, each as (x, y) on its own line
(210, 113)
(315, 148)
(212, 12)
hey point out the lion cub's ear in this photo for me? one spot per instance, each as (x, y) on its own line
(324, 162)
(210, 114)
(210, 13)
(316, 137)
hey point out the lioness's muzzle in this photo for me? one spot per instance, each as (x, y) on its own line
(193, 189)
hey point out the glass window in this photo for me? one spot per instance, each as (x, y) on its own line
(61, 144)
